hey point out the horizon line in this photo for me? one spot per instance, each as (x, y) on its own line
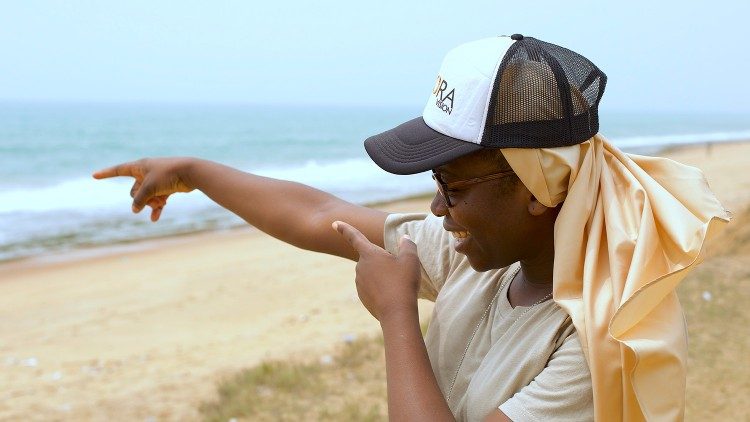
(332, 105)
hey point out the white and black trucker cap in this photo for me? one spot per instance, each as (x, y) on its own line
(500, 92)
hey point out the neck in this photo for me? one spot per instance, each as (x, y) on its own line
(537, 270)
(532, 284)
(537, 277)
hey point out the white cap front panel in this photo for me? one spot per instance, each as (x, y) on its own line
(460, 96)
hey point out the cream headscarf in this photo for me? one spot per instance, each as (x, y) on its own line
(630, 229)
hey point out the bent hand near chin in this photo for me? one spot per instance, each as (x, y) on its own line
(155, 180)
(386, 284)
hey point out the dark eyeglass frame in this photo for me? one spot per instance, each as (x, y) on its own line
(446, 188)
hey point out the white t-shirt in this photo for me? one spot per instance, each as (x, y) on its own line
(527, 361)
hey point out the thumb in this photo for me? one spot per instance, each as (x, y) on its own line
(142, 196)
(406, 247)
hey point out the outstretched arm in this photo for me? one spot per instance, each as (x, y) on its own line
(292, 212)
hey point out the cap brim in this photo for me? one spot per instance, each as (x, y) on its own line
(414, 147)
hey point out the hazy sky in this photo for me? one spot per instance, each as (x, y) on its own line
(659, 55)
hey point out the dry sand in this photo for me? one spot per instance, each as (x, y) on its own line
(143, 334)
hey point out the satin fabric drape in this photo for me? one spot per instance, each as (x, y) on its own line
(630, 228)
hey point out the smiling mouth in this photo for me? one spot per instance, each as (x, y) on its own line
(460, 240)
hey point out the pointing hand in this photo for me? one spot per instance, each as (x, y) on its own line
(386, 283)
(155, 180)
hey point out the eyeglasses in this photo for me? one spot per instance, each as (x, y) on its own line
(446, 188)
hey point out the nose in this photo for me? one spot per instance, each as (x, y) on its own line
(438, 206)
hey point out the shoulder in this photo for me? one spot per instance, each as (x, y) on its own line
(416, 225)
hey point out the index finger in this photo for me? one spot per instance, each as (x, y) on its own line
(124, 169)
(355, 238)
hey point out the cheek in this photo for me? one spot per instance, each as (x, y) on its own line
(490, 215)
(484, 221)
(494, 217)
(500, 230)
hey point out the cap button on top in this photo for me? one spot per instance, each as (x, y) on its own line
(516, 37)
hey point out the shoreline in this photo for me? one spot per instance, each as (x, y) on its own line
(95, 251)
(142, 245)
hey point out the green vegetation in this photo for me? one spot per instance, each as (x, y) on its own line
(348, 385)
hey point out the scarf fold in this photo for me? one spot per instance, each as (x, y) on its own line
(630, 229)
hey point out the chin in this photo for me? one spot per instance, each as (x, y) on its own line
(482, 265)
(479, 265)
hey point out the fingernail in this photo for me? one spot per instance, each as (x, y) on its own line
(406, 236)
(335, 225)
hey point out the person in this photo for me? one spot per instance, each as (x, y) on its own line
(532, 204)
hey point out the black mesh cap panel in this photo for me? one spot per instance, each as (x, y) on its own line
(544, 96)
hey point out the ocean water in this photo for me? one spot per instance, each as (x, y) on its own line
(49, 202)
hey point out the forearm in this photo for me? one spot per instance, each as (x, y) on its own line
(413, 391)
(292, 212)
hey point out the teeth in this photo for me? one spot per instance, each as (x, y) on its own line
(460, 235)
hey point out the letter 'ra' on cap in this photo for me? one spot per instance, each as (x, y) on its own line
(501, 92)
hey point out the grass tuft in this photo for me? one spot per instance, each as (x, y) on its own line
(347, 387)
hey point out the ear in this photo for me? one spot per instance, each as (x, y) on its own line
(536, 208)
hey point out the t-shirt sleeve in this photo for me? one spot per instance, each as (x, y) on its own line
(433, 247)
(561, 392)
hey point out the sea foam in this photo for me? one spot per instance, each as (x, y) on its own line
(355, 180)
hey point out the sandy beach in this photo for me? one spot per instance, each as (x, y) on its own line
(144, 332)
